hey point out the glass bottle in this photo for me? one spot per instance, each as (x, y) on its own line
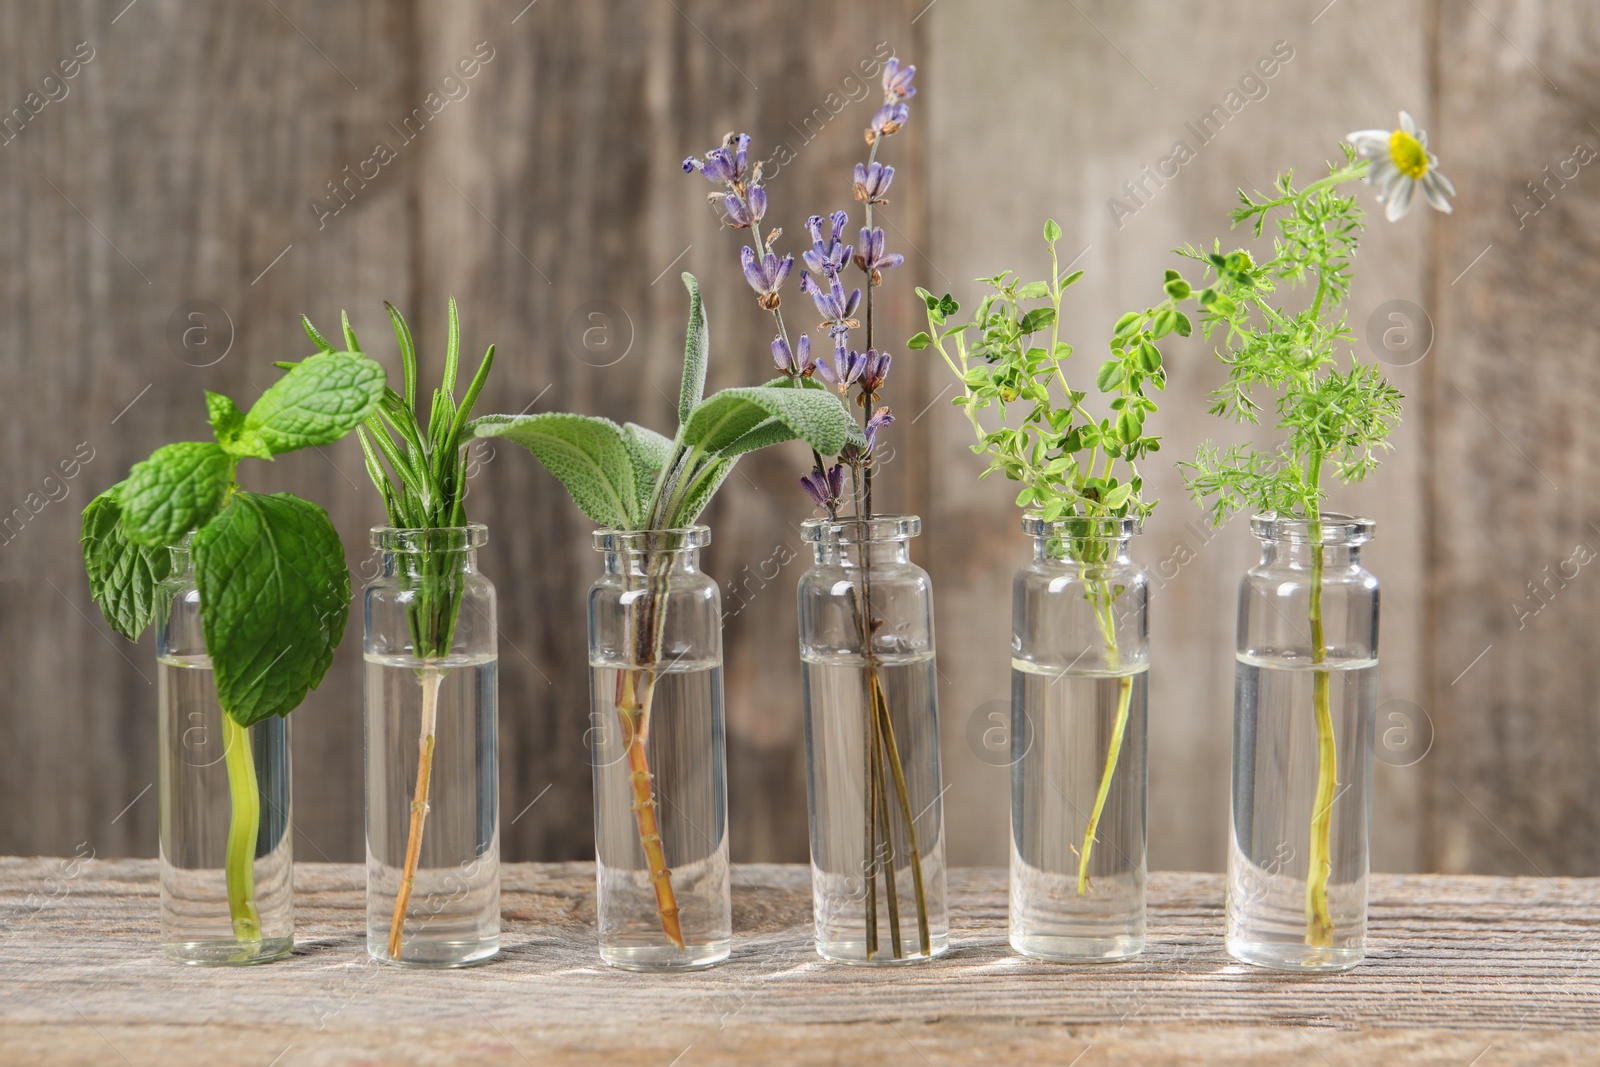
(1304, 717)
(657, 745)
(227, 855)
(872, 744)
(433, 792)
(1080, 659)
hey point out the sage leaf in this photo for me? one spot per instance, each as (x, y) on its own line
(650, 452)
(274, 593)
(586, 454)
(318, 401)
(702, 487)
(815, 415)
(176, 490)
(696, 352)
(122, 575)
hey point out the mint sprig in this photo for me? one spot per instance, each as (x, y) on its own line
(270, 570)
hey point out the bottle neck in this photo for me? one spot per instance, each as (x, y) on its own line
(637, 563)
(435, 564)
(852, 554)
(1302, 555)
(1082, 551)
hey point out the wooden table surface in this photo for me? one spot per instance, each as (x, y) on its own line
(1460, 971)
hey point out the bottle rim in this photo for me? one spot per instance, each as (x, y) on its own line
(650, 541)
(438, 539)
(1083, 528)
(1337, 528)
(881, 529)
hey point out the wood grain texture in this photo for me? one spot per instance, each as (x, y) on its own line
(1515, 388)
(1110, 87)
(1456, 965)
(192, 157)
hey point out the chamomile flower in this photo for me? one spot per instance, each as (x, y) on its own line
(1401, 162)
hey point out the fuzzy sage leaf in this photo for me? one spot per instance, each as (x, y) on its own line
(586, 454)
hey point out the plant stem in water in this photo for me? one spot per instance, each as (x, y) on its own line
(1119, 729)
(1319, 921)
(239, 868)
(903, 799)
(634, 710)
(430, 678)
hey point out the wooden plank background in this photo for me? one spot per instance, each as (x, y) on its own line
(186, 160)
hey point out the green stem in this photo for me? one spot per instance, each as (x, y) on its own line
(1119, 729)
(1319, 921)
(243, 827)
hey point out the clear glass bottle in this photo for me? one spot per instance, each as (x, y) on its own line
(872, 744)
(1304, 718)
(433, 785)
(657, 745)
(227, 850)
(1080, 657)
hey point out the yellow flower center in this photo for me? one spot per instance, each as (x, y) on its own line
(1410, 158)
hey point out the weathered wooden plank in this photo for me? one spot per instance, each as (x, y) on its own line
(180, 166)
(555, 200)
(1512, 674)
(1456, 964)
(1109, 88)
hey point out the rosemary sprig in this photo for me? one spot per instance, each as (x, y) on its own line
(427, 493)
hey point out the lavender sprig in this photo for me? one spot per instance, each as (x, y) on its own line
(743, 200)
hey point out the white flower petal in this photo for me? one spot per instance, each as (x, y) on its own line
(1400, 202)
(1435, 195)
(1383, 173)
(1407, 124)
(1369, 142)
(1444, 183)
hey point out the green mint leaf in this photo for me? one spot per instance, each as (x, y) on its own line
(176, 490)
(586, 454)
(227, 422)
(696, 352)
(274, 593)
(122, 575)
(317, 401)
(225, 418)
(813, 414)
(650, 453)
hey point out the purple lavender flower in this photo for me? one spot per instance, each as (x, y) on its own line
(837, 310)
(742, 212)
(880, 418)
(897, 80)
(872, 257)
(796, 364)
(766, 275)
(872, 182)
(845, 370)
(828, 256)
(824, 488)
(728, 163)
(875, 370)
(888, 120)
